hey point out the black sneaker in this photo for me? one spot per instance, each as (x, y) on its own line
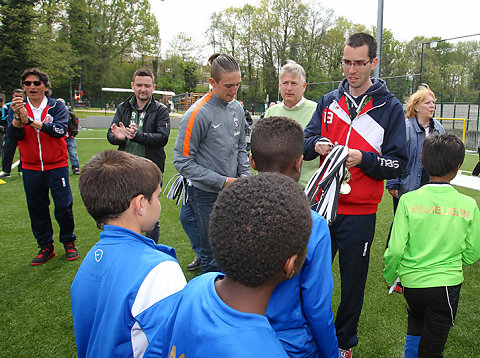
(194, 265)
(76, 171)
(45, 254)
(5, 175)
(71, 252)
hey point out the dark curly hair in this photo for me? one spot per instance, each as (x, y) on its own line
(442, 154)
(112, 178)
(257, 223)
(275, 142)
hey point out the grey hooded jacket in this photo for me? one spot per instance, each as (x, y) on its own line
(211, 143)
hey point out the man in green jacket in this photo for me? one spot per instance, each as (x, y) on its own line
(292, 84)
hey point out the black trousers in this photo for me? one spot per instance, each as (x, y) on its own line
(352, 237)
(431, 312)
(37, 186)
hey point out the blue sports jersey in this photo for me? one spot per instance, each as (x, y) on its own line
(204, 326)
(115, 292)
(300, 309)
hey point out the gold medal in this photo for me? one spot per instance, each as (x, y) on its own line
(345, 188)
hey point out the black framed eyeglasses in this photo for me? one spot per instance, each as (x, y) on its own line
(356, 64)
(29, 83)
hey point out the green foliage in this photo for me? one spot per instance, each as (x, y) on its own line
(16, 17)
(50, 49)
(178, 75)
(99, 43)
(184, 47)
(120, 29)
(314, 37)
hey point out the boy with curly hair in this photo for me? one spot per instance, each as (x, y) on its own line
(259, 237)
(300, 309)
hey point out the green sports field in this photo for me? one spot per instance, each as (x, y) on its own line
(35, 301)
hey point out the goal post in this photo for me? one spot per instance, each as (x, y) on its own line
(448, 124)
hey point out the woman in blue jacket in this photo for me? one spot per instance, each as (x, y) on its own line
(419, 125)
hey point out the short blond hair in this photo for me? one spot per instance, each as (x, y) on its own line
(293, 68)
(419, 96)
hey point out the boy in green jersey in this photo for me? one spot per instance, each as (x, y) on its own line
(436, 230)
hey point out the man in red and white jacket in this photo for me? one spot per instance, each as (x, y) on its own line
(364, 116)
(39, 123)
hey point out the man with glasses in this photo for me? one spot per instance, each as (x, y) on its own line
(364, 116)
(39, 124)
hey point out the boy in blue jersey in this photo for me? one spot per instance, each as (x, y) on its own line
(259, 237)
(300, 309)
(125, 273)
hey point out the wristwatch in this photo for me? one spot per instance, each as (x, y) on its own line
(30, 121)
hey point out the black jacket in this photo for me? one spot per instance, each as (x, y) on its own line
(156, 129)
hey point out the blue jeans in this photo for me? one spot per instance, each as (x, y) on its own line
(189, 224)
(37, 184)
(202, 205)
(72, 152)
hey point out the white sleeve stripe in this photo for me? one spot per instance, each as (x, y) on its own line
(162, 281)
(364, 125)
(370, 131)
(139, 341)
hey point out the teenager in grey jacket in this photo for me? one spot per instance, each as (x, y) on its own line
(210, 147)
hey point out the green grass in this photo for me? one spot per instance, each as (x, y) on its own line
(82, 113)
(35, 301)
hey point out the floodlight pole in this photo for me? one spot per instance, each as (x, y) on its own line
(421, 63)
(377, 70)
(442, 40)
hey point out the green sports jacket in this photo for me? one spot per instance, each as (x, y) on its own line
(436, 230)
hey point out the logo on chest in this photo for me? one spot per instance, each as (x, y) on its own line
(98, 255)
(48, 119)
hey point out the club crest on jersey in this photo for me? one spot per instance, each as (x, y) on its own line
(48, 119)
(235, 121)
(98, 255)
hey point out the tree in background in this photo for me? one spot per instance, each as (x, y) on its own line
(50, 49)
(100, 43)
(104, 31)
(16, 17)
